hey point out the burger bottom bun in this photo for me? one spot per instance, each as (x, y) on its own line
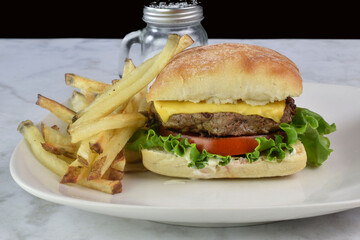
(169, 164)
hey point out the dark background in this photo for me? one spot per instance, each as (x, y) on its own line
(223, 19)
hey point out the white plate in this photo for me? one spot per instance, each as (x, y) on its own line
(333, 187)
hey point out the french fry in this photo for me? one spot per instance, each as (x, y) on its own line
(102, 119)
(139, 98)
(119, 162)
(88, 87)
(134, 103)
(105, 103)
(58, 143)
(53, 135)
(185, 42)
(129, 66)
(130, 107)
(85, 155)
(61, 111)
(89, 96)
(66, 151)
(128, 161)
(113, 174)
(34, 138)
(100, 141)
(79, 101)
(104, 185)
(55, 127)
(104, 160)
(73, 173)
(79, 175)
(85, 84)
(106, 123)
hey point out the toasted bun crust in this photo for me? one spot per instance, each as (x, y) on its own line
(228, 72)
(168, 164)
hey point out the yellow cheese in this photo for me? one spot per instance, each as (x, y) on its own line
(273, 111)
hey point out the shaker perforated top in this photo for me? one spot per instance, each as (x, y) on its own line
(173, 13)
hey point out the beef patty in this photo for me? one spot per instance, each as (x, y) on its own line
(228, 124)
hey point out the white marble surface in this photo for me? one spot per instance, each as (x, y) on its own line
(32, 66)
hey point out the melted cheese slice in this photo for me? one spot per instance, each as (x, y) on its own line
(273, 110)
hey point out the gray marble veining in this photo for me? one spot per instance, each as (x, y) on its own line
(32, 66)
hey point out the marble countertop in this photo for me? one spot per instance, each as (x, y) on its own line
(32, 66)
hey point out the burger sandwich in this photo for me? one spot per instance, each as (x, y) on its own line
(228, 111)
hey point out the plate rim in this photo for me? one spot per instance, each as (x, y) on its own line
(71, 201)
(155, 213)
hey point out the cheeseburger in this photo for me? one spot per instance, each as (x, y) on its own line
(227, 111)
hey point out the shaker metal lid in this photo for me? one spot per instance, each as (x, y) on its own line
(172, 14)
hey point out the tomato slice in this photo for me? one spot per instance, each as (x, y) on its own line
(221, 145)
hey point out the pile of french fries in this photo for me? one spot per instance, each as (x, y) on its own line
(100, 120)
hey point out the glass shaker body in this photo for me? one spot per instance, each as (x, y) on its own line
(154, 37)
(159, 24)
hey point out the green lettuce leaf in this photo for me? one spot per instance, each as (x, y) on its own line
(145, 139)
(311, 128)
(307, 126)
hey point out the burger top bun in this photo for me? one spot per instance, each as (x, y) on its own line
(225, 73)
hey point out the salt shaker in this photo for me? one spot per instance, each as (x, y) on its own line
(161, 20)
